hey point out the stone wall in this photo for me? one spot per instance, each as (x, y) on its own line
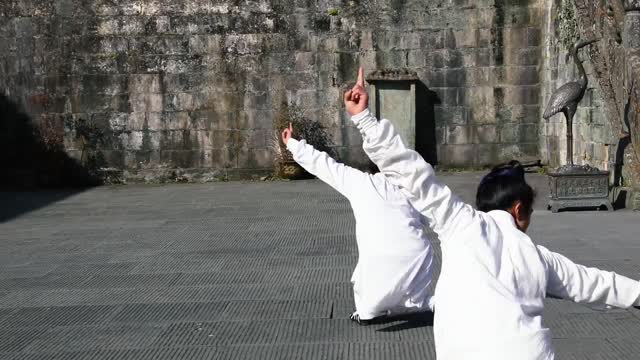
(189, 89)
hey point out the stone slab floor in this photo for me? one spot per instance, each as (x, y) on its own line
(244, 271)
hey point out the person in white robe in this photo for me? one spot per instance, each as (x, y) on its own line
(494, 278)
(395, 258)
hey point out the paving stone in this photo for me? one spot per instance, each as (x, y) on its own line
(49, 281)
(4, 313)
(144, 354)
(114, 337)
(193, 266)
(555, 307)
(131, 281)
(598, 325)
(25, 271)
(171, 312)
(277, 309)
(59, 316)
(592, 349)
(338, 275)
(334, 330)
(14, 340)
(376, 351)
(286, 352)
(271, 263)
(331, 262)
(190, 334)
(95, 269)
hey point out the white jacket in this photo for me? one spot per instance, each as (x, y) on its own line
(395, 257)
(494, 278)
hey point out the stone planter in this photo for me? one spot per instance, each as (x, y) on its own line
(578, 187)
(291, 170)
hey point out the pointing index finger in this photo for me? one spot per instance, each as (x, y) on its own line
(360, 81)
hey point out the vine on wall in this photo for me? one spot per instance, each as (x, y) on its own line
(566, 24)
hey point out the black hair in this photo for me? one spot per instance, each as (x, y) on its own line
(373, 168)
(502, 187)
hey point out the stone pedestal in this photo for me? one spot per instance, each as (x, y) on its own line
(393, 97)
(578, 187)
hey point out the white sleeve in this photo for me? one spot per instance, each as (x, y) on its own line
(339, 176)
(407, 169)
(588, 285)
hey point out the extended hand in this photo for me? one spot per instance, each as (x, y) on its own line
(356, 100)
(287, 133)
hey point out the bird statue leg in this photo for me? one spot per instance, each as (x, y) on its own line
(568, 115)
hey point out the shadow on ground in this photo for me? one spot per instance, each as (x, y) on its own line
(16, 203)
(405, 322)
(34, 158)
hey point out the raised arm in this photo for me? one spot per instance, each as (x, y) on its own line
(588, 285)
(343, 178)
(406, 168)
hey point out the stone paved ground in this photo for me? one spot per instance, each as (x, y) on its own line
(243, 271)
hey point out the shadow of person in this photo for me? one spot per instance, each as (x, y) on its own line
(405, 321)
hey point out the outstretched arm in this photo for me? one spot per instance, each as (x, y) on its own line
(406, 168)
(339, 176)
(582, 284)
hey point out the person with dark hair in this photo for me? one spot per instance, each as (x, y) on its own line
(505, 188)
(487, 259)
(395, 258)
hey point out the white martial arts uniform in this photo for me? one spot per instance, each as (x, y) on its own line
(395, 259)
(494, 278)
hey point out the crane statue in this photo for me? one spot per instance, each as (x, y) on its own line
(572, 185)
(566, 98)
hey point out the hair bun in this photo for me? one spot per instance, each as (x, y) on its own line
(511, 169)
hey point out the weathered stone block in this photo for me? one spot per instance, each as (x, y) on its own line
(223, 158)
(146, 102)
(456, 155)
(145, 84)
(259, 158)
(458, 135)
(526, 114)
(85, 103)
(522, 95)
(451, 115)
(220, 139)
(477, 77)
(484, 37)
(161, 45)
(455, 77)
(436, 79)
(515, 36)
(129, 25)
(179, 102)
(481, 101)
(529, 56)
(183, 158)
(439, 59)
(417, 58)
(487, 155)
(509, 133)
(136, 140)
(253, 119)
(466, 38)
(528, 133)
(449, 96)
(485, 134)
(523, 75)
